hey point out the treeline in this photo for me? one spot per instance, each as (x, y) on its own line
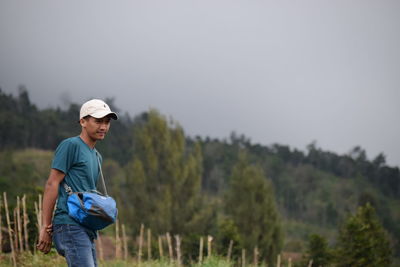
(197, 186)
(23, 125)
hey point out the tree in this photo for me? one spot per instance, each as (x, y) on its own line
(363, 241)
(228, 232)
(250, 202)
(163, 178)
(317, 251)
(379, 160)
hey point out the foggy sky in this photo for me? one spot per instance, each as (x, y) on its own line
(287, 72)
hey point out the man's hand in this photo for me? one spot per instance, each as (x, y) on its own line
(44, 243)
(49, 200)
(49, 229)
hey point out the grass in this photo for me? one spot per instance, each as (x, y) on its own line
(32, 260)
(214, 262)
(54, 260)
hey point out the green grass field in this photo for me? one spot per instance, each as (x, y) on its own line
(54, 260)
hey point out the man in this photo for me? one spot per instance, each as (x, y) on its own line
(76, 164)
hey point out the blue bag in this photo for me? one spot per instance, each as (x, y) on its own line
(91, 209)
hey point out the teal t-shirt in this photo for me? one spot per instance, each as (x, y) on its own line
(79, 163)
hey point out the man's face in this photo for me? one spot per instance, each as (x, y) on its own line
(96, 129)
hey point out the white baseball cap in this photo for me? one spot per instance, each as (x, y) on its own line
(96, 108)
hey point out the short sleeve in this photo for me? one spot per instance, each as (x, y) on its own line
(64, 156)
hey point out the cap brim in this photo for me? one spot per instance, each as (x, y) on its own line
(99, 115)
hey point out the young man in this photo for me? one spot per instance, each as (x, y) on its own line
(76, 164)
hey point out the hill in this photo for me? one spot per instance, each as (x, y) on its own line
(314, 190)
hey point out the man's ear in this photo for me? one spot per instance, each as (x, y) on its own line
(82, 122)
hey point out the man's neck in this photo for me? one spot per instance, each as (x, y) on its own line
(90, 142)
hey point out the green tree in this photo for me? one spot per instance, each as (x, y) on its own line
(363, 241)
(317, 251)
(250, 202)
(228, 232)
(164, 178)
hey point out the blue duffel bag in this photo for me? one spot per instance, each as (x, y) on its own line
(91, 209)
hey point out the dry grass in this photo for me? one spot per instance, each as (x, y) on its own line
(54, 260)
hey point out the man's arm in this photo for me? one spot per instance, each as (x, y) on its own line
(49, 200)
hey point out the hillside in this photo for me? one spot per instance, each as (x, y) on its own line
(314, 191)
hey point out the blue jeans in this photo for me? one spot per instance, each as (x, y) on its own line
(74, 243)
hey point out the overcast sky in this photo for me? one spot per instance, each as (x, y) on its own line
(287, 72)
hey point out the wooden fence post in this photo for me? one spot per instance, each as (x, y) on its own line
(140, 244)
(101, 255)
(160, 247)
(255, 260)
(171, 253)
(201, 250)
(209, 239)
(243, 257)
(117, 241)
(14, 259)
(148, 244)
(278, 261)
(15, 230)
(40, 206)
(228, 257)
(178, 250)
(38, 211)
(25, 224)
(125, 243)
(21, 244)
